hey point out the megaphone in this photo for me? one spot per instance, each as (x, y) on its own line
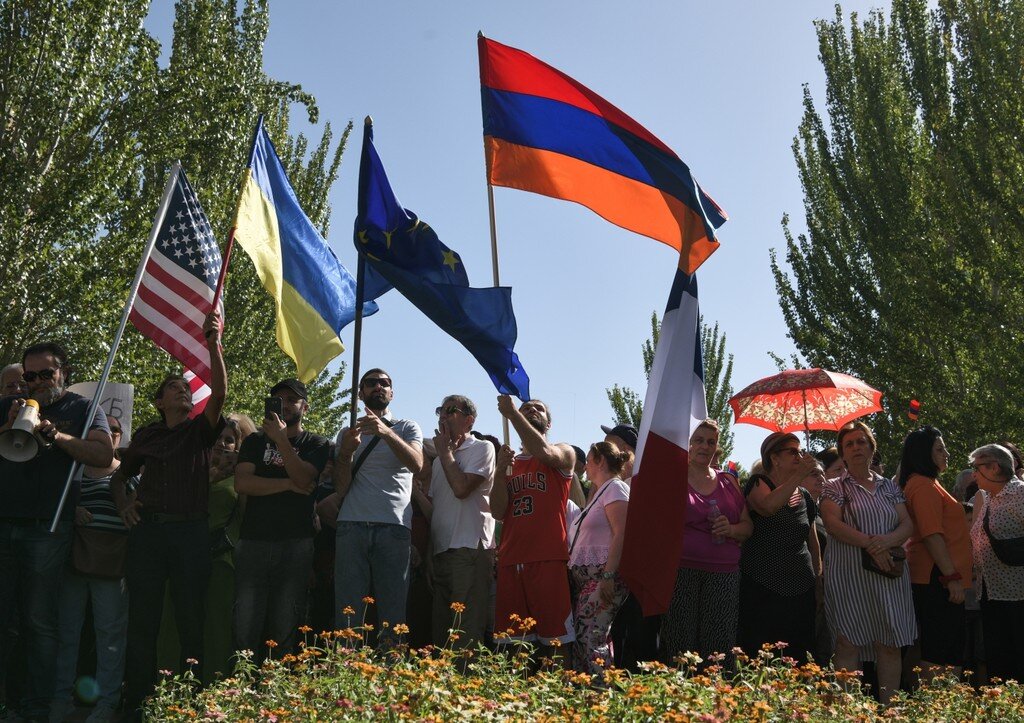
(20, 443)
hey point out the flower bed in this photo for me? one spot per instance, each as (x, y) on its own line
(338, 677)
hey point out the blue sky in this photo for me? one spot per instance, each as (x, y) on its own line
(719, 82)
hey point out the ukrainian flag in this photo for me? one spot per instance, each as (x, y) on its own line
(314, 294)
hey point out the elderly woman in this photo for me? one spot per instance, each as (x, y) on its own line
(781, 560)
(998, 518)
(864, 511)
(702, 614)
(595, 539)
(939, 552)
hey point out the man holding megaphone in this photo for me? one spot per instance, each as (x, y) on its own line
(32, 558)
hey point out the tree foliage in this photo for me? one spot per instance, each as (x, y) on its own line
(628, 405)
(909, 273)
(92, 124)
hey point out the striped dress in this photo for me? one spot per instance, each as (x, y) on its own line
(865, 607)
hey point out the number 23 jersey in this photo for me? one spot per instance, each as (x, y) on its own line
(533, 528)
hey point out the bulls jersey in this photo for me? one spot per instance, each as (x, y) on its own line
(534, 525)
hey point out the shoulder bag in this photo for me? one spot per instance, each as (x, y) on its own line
(1010, 551)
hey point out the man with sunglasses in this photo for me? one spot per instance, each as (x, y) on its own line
(373, 477)
(461, 525)
(31, 558)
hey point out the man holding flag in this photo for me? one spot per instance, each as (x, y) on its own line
(168, 538)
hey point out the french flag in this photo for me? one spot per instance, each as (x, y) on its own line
(674, 405)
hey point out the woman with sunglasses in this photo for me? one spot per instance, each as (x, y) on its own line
(871, 615)
(595, 546)
(999, 513)
(781, 560)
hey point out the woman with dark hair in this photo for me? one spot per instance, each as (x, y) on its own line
(781, 560)
(831, 462)
(867, 522)
(702, 614)
(999, 516)
(595, 547)
(939, 552)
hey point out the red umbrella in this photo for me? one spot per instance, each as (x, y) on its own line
(805, 399)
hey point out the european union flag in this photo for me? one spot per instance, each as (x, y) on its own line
(404, 253)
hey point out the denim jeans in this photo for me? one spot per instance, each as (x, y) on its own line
(159, 552)
(372, 557)
(271, 582)
(110, 620)
(31, 567)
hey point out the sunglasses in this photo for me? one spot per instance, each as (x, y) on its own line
(449, 411)
(44, 374)
(791, 451)
(377, 382)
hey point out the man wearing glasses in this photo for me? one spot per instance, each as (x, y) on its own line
(31, 558)
(11, 381)
(461, 526)
(373, 488)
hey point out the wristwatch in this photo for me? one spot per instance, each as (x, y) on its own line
(608, 575)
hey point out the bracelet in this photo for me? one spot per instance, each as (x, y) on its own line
(608, 575)
(950, 578)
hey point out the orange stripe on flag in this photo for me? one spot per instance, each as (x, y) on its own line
(627, 203)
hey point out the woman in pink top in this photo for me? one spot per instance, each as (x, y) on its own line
(702, 615)
(595, 546)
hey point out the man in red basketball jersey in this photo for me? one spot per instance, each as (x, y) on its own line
(530, 502)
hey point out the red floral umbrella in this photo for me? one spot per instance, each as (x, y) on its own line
(805, 399)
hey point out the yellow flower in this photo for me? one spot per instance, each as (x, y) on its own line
(401, 629)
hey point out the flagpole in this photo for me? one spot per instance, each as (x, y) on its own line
(357, 343)
(158, 221)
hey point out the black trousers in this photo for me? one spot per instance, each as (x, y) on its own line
(1002, 623)
(158, 553)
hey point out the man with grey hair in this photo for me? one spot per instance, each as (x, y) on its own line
(999, 516)
(11, 381)
(461, 528)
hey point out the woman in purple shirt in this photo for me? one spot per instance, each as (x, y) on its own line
(702, 615)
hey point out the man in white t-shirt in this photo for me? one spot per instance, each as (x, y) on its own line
(461, 527)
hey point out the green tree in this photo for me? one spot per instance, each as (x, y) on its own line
(93, 123)
(908, 275)
(628, 405)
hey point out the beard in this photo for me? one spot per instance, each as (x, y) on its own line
(292, 419)
(48, 395)
(538, 424)
(377, 402)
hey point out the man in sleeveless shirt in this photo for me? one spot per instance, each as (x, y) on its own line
(532, 579)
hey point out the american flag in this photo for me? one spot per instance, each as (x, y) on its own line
(178, 284)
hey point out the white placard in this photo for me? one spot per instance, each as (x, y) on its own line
(118, 402)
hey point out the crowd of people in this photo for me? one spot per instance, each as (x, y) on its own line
(208, 534)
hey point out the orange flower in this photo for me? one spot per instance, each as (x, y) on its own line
(271, 644)
(368, 600)
(458, 607)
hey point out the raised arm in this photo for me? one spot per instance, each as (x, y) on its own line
(212, 329)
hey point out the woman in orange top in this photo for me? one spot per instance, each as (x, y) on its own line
(938, 553)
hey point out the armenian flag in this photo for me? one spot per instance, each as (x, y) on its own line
(544, 132)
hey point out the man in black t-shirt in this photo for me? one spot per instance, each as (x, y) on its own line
(277, 470)
(31, 558)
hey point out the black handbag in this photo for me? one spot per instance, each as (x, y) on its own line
(1010, 551)
(897, 554)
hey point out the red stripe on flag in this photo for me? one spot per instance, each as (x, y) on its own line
(200, 393)
(653, 541)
